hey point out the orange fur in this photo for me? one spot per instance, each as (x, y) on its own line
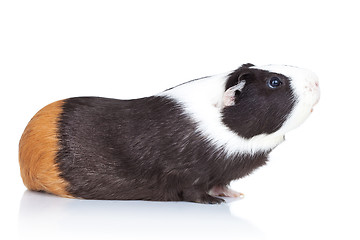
(37, 151)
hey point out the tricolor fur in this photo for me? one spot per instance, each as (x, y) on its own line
(181, 144)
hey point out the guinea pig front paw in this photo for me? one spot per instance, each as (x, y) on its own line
(224, 191)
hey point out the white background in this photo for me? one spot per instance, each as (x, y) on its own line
(50, 50)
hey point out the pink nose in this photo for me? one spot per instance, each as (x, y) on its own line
(312, 86)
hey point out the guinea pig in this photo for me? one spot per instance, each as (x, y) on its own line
(186, 143)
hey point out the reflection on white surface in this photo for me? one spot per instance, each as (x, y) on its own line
(46, 216)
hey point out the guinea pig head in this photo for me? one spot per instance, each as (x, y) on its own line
(271, 99)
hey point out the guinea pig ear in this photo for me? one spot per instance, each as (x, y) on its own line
(247, 65)
(229, 95)
(244, 76)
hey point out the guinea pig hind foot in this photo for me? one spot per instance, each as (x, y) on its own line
(224, 191)
(201, 197)
(206, 198)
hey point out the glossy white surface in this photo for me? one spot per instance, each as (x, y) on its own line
(130, 219)
(51, 50)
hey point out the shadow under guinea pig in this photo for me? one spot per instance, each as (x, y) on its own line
(43, 215)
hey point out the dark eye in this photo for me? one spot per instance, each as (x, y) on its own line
(274, 82)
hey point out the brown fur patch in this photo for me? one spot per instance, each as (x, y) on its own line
(38, 147)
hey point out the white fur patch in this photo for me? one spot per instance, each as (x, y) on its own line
(202, 101)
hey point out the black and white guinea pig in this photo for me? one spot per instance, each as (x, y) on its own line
(184, 144)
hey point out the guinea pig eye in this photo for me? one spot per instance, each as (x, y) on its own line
(274, 82)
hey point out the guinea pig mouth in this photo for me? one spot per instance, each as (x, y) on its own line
(316, 102)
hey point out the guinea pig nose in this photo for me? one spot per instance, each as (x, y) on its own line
(312, 81)
(315, 85)
(312, 86)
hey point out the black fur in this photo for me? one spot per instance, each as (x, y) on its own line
(258, 108)
(142, 149)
